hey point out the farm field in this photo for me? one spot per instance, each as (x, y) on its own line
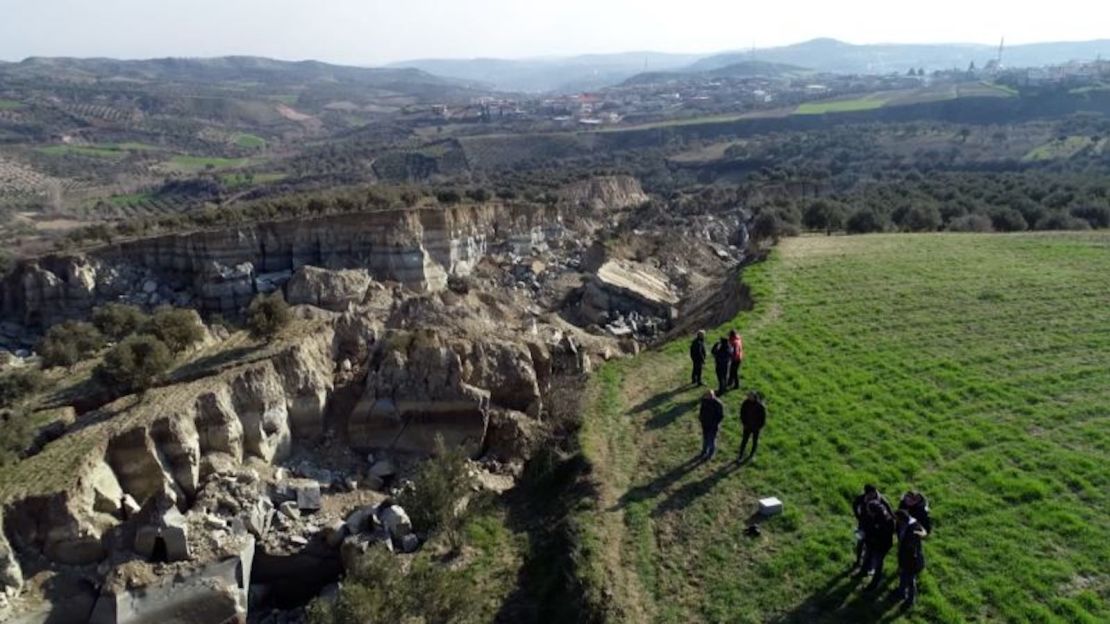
(194, 164)
(249, 141)
(975, 368)
(869, 102)
(9, 104)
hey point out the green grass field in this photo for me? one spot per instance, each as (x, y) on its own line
(95, 151)
(10, 104)
(239, 179)
(1057, 149)
(975, 368)
(869, 102)
(193, 164)
(249, 141)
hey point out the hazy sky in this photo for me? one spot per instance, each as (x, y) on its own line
(367, 32)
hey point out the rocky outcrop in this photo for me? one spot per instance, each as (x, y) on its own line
(328, 289)
(622, 286)
(604, 193)
(221, 270)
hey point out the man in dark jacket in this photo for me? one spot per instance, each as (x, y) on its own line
(911, 555)
(878, 531)
(859, 509)
(711, 413)
(915, 504)
(753, 415)
(697, 358)
(722, 359)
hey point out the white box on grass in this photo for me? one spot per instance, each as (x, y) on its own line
(770, 506)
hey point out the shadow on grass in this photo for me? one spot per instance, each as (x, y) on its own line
(686, 494)
(661, 399)
(665, 418)
(840, 600)
(653, 488)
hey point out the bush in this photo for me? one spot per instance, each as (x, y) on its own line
(438, 485)
(1062, 221)
(971, 223)
(767, 226)
(267, 315)
(134, 364)
(378, 591)
(448, 196)
(923, 218)
(118, 320)
(863, 221)
(177, 328)
(1096, 216)
(823, 215)
(16, 385)
(68, 343)
(1008, 220)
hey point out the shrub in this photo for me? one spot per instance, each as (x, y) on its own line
(1008, 220)
(923, 218)
(767, 226)
(68, 343)
(1096, 216)
(971, 223)
(267, 315)
(377, 590)
(16, 385)
(448, 196)
(134, 364)
(118, 320)
(438, 485)
(863, 221)
(177, 328)
(479, 194)
(1062, 221)
(823, 215)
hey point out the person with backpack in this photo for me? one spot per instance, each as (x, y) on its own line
(722, 359)
(917, 506)
(859, 510)
(753, 415)
(710, 415)
(878, 531)
(697, 358)
(737, 344)
(911, 555)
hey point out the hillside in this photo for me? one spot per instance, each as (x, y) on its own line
(832, 55)
(973, 368)
(740, 69)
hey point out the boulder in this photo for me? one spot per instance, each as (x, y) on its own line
(289, 510)
(326, 288)
(394, 519)
(410, 543)
(308, 496)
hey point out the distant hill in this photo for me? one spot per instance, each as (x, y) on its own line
(742, 69)
(831, 55)
(218, 70)
(576, 73)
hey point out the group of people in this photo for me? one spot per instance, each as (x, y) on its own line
(878, 524)
(728, 355)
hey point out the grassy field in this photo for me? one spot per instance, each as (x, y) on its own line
(10, 104)
(193, 164)
(249, 141)
(975, 368)
(1057, 149)
(95, 151)
(868, 102)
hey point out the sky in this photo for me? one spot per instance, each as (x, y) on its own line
(375, 32)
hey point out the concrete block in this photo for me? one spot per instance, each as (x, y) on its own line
(308, 496)
(770, 506)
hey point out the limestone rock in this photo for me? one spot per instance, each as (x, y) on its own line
(394, 519)
(328, 289)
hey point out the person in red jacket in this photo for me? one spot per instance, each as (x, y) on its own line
(737, 344)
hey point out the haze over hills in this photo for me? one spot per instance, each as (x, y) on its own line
(578, 73)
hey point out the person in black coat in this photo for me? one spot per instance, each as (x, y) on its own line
(753, 415)
(878, 534)
(697, 358)
(911, 555)
(917, 506)
(722, 359)
(711, 413)
(859, 509)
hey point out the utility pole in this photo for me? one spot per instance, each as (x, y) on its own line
(1001, 45)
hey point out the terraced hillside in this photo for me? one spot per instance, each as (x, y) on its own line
(974, 368)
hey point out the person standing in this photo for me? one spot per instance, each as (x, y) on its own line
(753, 415)
(911, 555)
(711, 413)
(859, 509)
(879, 535)
(915, 504)
(697, 358)
(737, 343)
(722, 359)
